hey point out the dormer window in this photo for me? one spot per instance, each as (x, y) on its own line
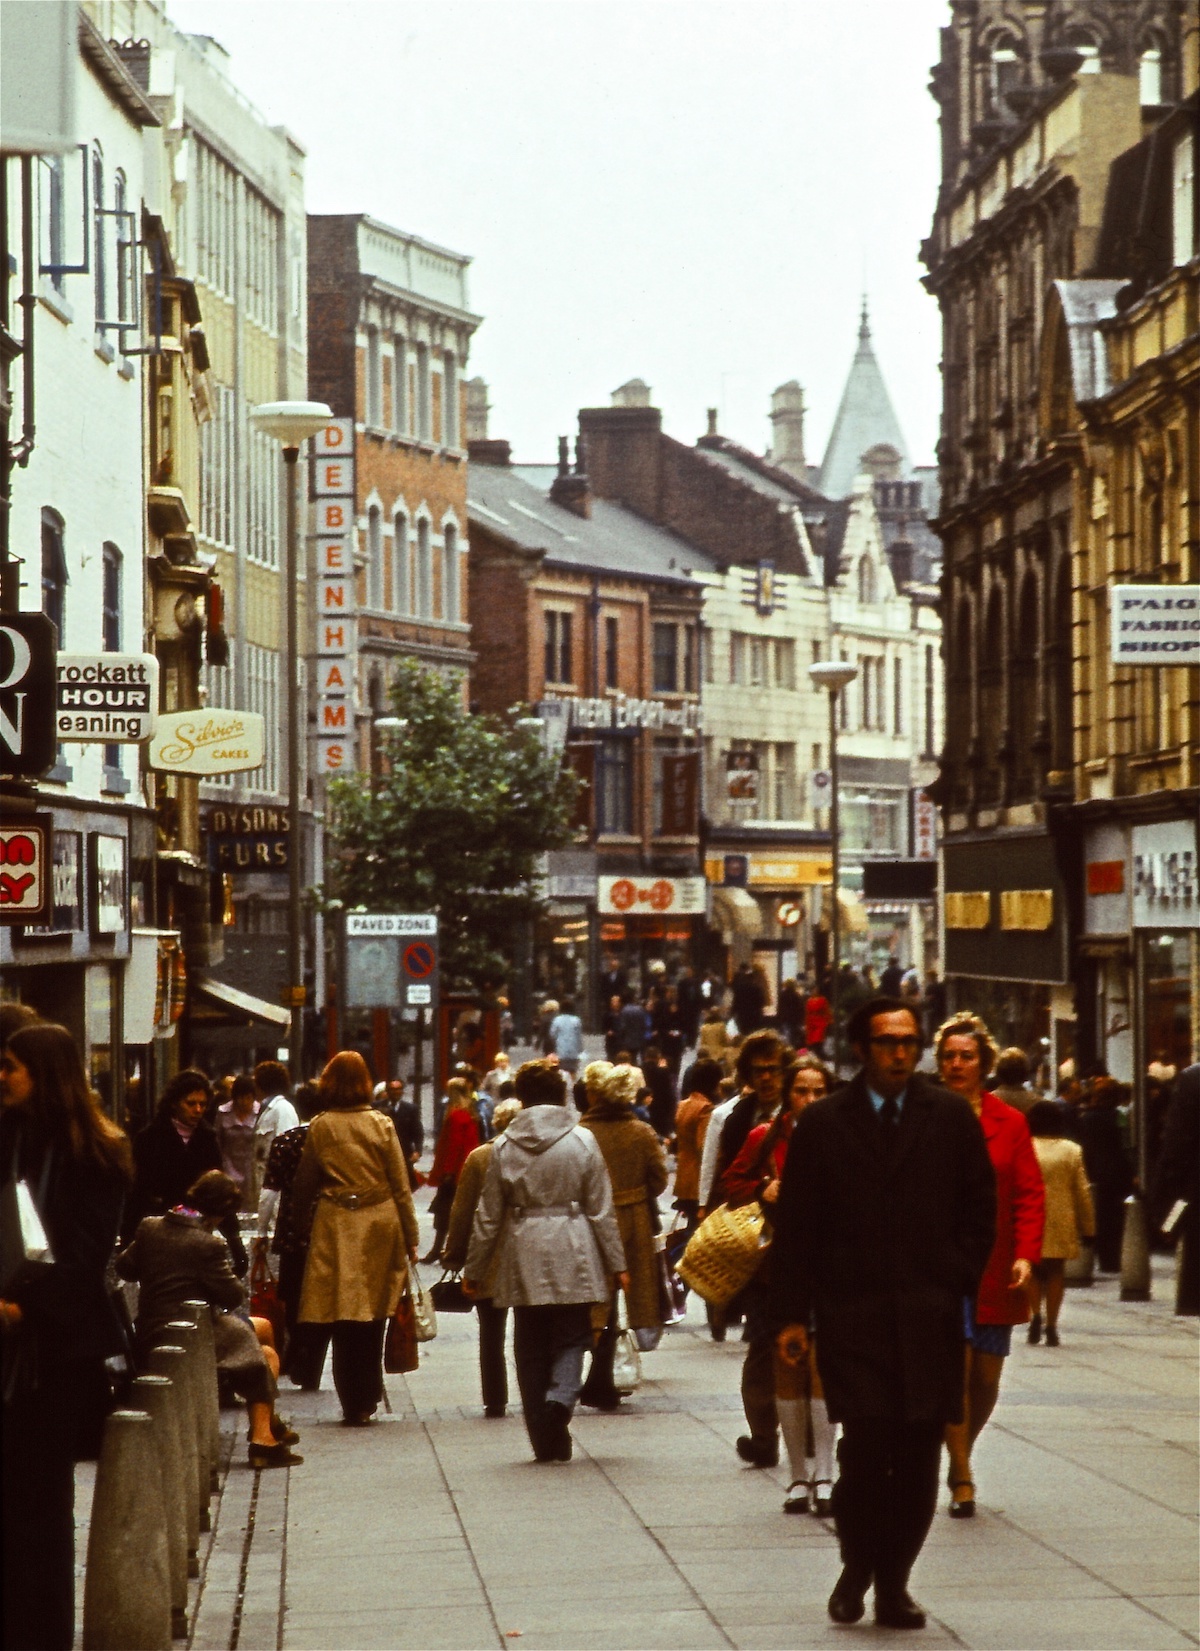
(866, 580)
(1150, 78)
(1005, 70)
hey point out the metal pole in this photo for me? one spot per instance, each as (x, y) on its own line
(835, 918)
(295, 971)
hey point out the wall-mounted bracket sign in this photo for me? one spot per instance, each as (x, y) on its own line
(25, 869)
(106, 699)
(1155, 625)
(208, 742)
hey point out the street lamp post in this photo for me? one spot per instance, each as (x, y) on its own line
(290, 423)
(833, 675)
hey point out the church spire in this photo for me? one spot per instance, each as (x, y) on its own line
(864, 324)
(865, 419)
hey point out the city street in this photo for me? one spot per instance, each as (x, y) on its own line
(435, 1529)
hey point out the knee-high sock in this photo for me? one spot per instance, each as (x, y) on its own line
(823, 1431)
(793, 1424)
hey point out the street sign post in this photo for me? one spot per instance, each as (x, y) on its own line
(391, 960)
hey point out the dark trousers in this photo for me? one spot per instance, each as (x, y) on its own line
(493, 1368)
(758, 1372)
(886, 1495)
(358, 1364)
(548, 1344)
(307, 1344)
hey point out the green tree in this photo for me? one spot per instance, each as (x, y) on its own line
(456, 826)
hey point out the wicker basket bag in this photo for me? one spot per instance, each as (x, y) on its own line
(725, 1252)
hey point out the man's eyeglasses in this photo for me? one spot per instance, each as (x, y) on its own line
(765, 1071)
(895, 1046)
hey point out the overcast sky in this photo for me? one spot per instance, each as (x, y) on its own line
(688, 192)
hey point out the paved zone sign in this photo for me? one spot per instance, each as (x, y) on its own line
(391, 960)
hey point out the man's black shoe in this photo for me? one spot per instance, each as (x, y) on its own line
(898, 1611)
(846, 1602)
(760, 1453)
(558, 1431)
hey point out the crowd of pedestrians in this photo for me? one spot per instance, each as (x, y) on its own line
(904, 1223)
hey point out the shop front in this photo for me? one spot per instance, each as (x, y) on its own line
(649, 927)
(766, 901)
(1006, 926)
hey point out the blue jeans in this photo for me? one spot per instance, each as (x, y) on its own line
(548, 1345)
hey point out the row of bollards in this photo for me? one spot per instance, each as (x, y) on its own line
(157, 1471)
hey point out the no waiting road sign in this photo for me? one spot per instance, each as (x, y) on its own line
(420, 960)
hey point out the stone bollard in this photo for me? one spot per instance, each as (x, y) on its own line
(1135, 1252)
(210, 1387)
(127, 1586)
(171, 1361)
(183, 1333)
(155, 1395)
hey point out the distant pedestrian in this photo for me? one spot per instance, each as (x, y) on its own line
(1012, 1080)
(1177, 1180)
(235, 1122)
(892, 977)
(637, 1169)
(885, 1218)
(492, 1320)
(353, 1185)
(632, 1030)
(1108, 1167)
(173, 1150)
(566, 1036)
(965, 1054)
(790, 1013)
(702, 1082)
(406, 1117)
(457, 1140)
(546, 1218)
(713, 1041)
(303, 1353)
(760, 1074)
(275, 1114)
(1070, 1218)
(749, 999)
(661, 1084)
(817, 1018)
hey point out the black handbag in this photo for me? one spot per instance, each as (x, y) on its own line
(448, 1295)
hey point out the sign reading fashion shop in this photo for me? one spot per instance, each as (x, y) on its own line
(208, 742)
(620, 712)
(109, 699)
(1155, 625)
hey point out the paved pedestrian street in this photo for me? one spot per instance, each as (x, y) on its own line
(434, 1528)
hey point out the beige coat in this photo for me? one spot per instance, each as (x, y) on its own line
(1069, 1212)
(462, 1213)
(638, 1172)
(352, 1174)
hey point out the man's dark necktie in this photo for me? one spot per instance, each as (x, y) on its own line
(889, 1119)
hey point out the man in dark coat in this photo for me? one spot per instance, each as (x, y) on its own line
(1177, 1179)
(885, 1220)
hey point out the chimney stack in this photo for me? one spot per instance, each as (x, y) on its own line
(634, 394)
(478, 409)
(570, 488)
(787, 429)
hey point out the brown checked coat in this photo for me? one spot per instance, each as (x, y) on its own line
(638, 1172)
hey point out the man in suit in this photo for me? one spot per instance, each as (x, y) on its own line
(884, 1223)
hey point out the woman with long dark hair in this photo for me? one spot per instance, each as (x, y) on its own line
(59, 1324)
(172, 1152)
(353, 1184)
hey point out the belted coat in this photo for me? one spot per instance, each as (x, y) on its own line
(638, 1172)
(882, 1242)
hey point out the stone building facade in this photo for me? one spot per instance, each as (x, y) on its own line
(1037, 103)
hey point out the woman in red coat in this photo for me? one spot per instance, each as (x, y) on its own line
(965, 1057)
(457, 1140)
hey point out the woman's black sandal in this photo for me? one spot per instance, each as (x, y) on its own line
(965, 1509)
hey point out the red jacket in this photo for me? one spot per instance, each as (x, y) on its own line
(457, 1141)
(1020, 1211)
(749, 1171)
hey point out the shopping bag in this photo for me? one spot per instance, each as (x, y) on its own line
(400, 1355)
(23, 1240)
(725, 1252)
(672, 1292)
(627, 1360)
(264, 1296)
(424, 1316)
(448, 1295)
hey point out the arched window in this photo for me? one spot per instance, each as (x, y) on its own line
(991, 692)
(424, 602)
(450, 573)
(1090, 53)
(866, 580)
(1025, 707)
(1150, 77)
(374, 557)
(401, 565)
(101, 285)
(126, 272)
(54, 573)
(1062, 717)
(1005, 69)
(111, 600)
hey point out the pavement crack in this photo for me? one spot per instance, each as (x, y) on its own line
(501, 1640)
(235, 1627)
(1097, 1473)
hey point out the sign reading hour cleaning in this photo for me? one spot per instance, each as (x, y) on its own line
(110, 699)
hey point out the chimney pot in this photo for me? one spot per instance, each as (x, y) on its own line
(712, 421)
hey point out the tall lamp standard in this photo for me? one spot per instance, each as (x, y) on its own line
(290, 423)
(833, 675)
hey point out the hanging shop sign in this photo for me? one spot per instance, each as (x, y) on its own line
(336, 594)
(620, 712)
(28, 741)
(1155, 624)
(651, 896)
(1166, 894)
(208, 742)
(680, 788)
(741, 776)
(108, 876)
(106, 699)
(25, 869)
(925, 824)
(247, 839)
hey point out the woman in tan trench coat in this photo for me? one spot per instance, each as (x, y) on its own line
(353, 1180)
(638, 1172)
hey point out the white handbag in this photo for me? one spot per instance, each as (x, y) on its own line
(424, 1316)
(627, 1361)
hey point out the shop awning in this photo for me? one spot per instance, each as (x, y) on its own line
(852, 917)
(736, 912)
(233, 1004)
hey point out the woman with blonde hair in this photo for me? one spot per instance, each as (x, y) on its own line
(1070, 1214)
(353, 1182)
(966, 1054)
(457, 1140)
(638, 1172)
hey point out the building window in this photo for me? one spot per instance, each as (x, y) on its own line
(897, 696)
(262, 237)
(374, 557)
(704, 641)
(666, 658)
(101, 259)
(216, 213)
(217, 469)
(450, 574)
(424, 395)
(262, 670)
(1183, 199)
(785, 663)
(401, 570)
(614, 784)
(738, 661)
(424, 570)
(449, 400)
(866, 580)
(758, 662)
(110, 626)
(1150, 77)
(262, 494)
(611, 651)
(558, 662)
(816, 653)
(928, 750)
(54, 574)
(784, 799)
(400, 386)
(374, 380)
(56, 216)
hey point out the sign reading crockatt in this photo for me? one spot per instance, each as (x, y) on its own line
(208, 742)
(110, 699)
(1155, 625)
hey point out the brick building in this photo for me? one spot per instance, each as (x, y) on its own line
(389, 333)
(589, 612)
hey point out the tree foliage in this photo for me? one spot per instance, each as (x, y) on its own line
(456, 826)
